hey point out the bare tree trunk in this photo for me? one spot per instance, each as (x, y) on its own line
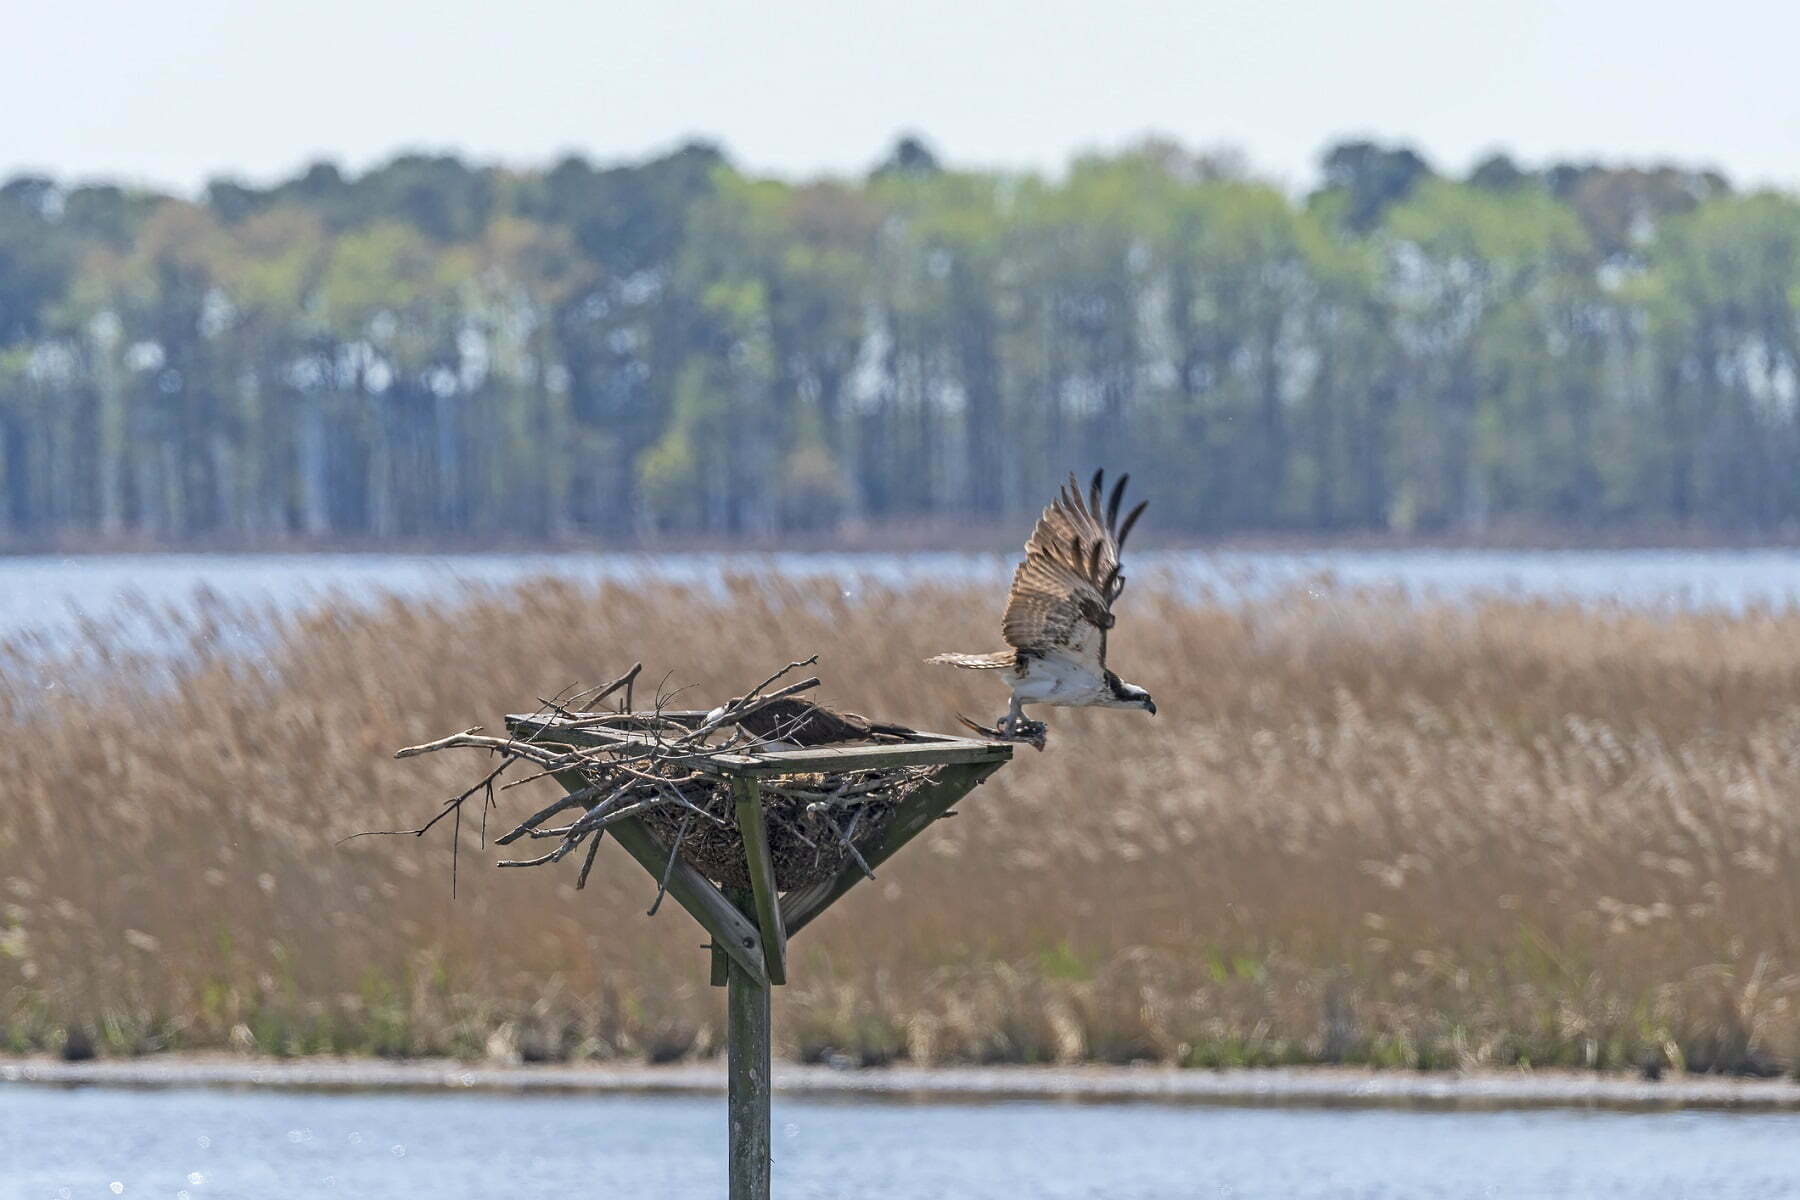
(981, 416)
(309, 451)
(447, 508)
(110, 430)
(559, 433)
(1272, 429)
(380, 478)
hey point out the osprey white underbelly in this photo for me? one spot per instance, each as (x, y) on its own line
(1055, 680)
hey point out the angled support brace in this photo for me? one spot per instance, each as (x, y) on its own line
(765, 901)
(915, 813)
(731, 930)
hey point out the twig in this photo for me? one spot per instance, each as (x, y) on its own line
(794, 830)
(844, 837)
(793, 666)
(529, 862)
(589, 697)
(538, 752)
(556, 855)
(732, 716)
(617, 815)
(568, 800)
(662, 885)
(675, 797)
(453, 805)
(525, 779)
(443, 743)
(488, 804)
(588, 864)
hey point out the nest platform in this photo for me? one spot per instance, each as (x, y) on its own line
(763, 840)
(753, 838)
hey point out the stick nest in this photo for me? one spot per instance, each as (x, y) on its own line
(663, 772)
(807, 845)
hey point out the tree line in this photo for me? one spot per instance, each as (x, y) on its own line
(435, 349)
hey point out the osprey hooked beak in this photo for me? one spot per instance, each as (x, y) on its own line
(1130, 695)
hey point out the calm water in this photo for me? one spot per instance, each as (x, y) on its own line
(41, 594)
(214, 1145)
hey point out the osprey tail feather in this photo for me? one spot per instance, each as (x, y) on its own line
(1000, 660)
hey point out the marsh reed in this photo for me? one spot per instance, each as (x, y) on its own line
(1362, 830)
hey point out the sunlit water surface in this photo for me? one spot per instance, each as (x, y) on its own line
(269, 1145)
(42, 596)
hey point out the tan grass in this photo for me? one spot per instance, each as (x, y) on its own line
(1360, 830)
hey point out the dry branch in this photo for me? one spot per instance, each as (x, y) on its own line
(649, 767)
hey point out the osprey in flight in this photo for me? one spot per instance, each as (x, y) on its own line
(1059, 611)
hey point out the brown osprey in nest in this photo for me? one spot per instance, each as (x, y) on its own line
(792, 724)
(1059, 611)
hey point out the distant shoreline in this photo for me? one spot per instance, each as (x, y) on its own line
(1324, 1086)
(966, 537)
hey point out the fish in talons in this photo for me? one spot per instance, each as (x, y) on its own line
(1033, 733)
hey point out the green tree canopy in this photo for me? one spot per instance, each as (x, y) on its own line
(434, 348)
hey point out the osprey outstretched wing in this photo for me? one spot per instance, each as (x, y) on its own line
(1062, 594)
(1060, 608)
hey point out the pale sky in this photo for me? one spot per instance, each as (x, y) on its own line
(174, 92)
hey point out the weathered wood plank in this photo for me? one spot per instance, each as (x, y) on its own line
(747, 1087)
(721, 964)
(766, 901)
(914, 815)
(933, 749)
(864, 758)
(731, 930)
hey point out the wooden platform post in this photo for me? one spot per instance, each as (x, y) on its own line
(747, 1096)
(750, 926)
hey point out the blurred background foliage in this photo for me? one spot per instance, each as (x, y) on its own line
(450, 352)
